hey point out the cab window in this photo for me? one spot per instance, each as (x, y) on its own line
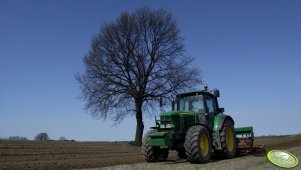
(210, 105)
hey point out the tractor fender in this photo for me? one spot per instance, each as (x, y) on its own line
(224, 117)
(199, 124)
(219, 121)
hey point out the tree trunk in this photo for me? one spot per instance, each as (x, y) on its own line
(140, 125)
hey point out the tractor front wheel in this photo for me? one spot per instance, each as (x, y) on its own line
(198, 144)
(228, 139)
(153, 154)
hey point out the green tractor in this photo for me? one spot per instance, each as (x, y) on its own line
(196, 127)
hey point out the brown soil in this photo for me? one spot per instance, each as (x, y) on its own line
(74, 155)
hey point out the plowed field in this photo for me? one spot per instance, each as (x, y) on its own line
(76, 155)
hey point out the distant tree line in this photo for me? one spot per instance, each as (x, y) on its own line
(39, 137)
(15, 138)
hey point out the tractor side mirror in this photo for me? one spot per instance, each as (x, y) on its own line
(221, 110)
(216, 93)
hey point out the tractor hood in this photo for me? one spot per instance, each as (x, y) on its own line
(171, 113)
(167, 116)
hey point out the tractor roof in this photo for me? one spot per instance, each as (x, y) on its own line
(194, 93)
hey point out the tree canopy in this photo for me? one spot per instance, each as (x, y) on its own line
(134, 62)
(42, 137)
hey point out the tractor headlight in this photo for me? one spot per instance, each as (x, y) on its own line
(170, 126)
(166, 126)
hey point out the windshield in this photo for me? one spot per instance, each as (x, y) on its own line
(191, 103)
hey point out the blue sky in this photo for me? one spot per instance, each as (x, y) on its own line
(250, 50)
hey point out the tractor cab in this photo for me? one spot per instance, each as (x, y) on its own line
(202, 104)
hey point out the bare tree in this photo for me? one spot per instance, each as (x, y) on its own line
(42, 137)
(62, 138)
(133, 63)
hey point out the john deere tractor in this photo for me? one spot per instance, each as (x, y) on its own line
(196, 127)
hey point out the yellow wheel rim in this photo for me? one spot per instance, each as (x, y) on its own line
(204, 145)
(229, 139)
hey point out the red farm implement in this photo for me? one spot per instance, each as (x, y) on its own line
(245, 141)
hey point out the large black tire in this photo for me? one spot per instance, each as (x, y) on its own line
(153, 154)
(228, 140)
(198, 144)
(181, 153)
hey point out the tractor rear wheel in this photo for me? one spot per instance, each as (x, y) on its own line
(198, 144)
(228, 139)
(153, 154)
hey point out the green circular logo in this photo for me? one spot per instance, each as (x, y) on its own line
(282, 159)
